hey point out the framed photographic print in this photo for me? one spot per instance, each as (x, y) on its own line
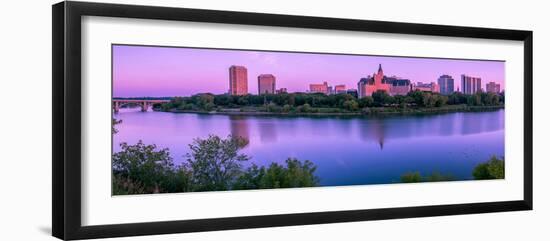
(170, 120)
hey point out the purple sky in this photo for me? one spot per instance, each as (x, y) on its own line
(167, 71)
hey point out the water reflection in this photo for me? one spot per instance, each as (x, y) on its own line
(346, 150)
(239, 128)
(380, 130)
(267, 129)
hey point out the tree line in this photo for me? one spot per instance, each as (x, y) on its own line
(214, 164)
(310, 102)
(490, 169)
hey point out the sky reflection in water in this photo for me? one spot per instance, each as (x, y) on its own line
(346, 150)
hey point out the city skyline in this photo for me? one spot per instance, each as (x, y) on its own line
(173, 71)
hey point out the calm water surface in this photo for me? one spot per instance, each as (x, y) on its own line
(346, 150)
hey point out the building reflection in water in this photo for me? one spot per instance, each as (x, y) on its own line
(383, 129)
(239, 128)
(373, 130)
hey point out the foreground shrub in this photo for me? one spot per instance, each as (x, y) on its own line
(491, 169)
(215, 163)
(411, 177)
(144, 168)
(294, 174)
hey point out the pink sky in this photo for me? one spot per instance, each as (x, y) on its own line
(169, 71)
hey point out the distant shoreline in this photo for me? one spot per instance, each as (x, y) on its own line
(375, 111)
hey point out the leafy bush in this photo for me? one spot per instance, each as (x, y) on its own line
(272, 107)
(287, 108)
(143, 168)
(411, 177)
(294, 174)
(124, 186)
(491, 169)
(366, 101)
(350, 105)
(305, 108)
(215, 163)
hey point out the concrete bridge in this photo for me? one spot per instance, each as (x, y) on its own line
(143, 103)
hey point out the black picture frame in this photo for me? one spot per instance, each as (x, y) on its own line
(66, 75)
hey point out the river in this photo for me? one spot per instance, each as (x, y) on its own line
(346, 150)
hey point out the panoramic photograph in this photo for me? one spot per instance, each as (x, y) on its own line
(187, 119)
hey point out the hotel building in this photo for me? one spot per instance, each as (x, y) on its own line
(470, 85)
(378, 81)
(446, 84)
(238, 80)
(266, 84)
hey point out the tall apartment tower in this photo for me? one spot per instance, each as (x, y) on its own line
(493, 87)
(470, 85)
(238, 80)
(266, 84)
(446, 84)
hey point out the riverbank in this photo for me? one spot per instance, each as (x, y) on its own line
(372, 111)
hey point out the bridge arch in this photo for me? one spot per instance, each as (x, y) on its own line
(143, 103)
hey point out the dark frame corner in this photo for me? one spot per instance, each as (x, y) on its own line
(66, 122)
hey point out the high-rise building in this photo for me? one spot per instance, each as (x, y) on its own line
(266, 84)
(493, 87)
(330, 90)
(319, 88)
(238, 80)
(446, 84)
(470, 85)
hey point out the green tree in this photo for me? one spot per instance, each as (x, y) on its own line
(305, 108)
(125, 186)
(474, 100)
(144, 166)
(491, 169)
(223, 100)
(242, 100)
(294, 174)
(215, 163)
(411, 177)
(366, 101)
(441, 100)
(380, 97)
(417, 97)
(351, 105)
(287, 108)
(272, 107)
(456, 98)
(428, 99)
(438, 177)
